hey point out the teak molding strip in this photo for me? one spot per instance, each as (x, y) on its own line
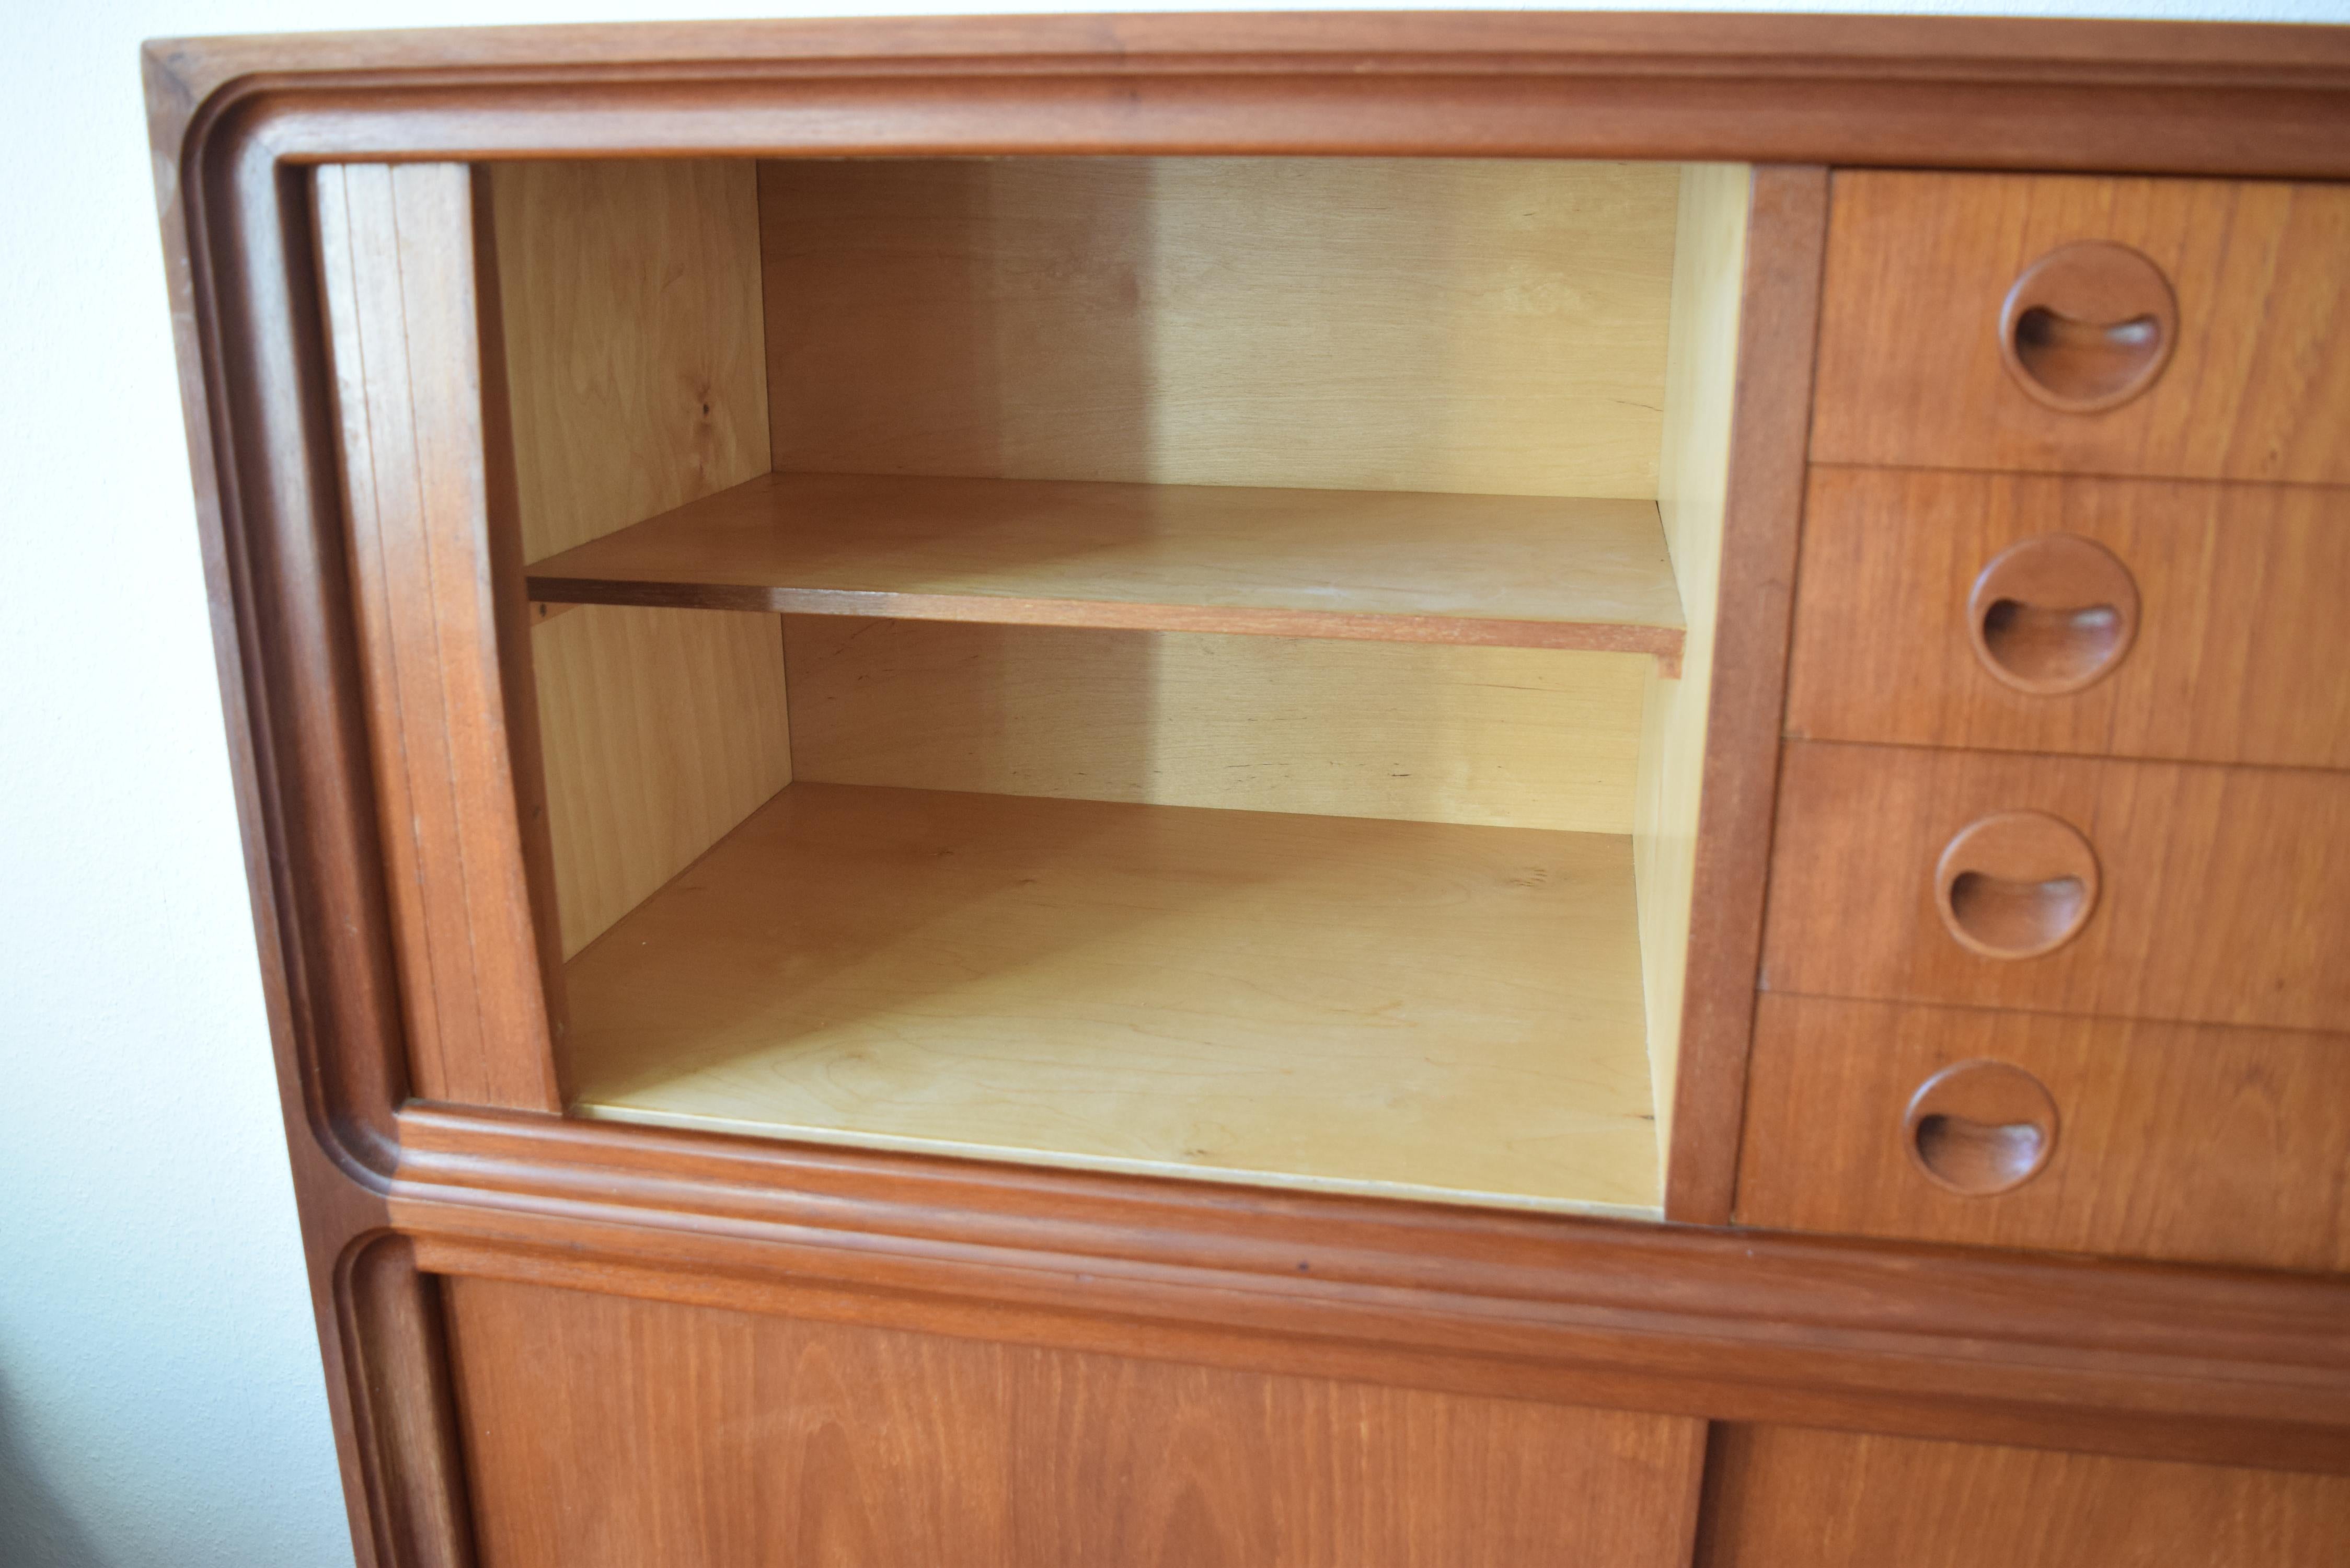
(2191, 1362)
(2127, 1357)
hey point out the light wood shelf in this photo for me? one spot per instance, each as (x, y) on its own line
(1412, 1008)
(1496, 570)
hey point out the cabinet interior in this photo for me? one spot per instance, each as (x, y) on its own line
(1185, 665)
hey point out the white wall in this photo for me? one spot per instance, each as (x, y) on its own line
(160, 1396)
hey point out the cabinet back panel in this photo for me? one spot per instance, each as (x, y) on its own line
(707, 1437)
(1495, 736)
(1387, 323)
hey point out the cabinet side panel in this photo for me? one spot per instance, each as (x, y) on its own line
(1693, 487)
(1500, 737)
(708, 1437)
(1745, 664)
(633, 326)
(1430, 324)
(1777, 1496)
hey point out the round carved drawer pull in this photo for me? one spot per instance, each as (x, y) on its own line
(2052, 614)
(1980, 1127)
(2088, 325)
(2016, 884)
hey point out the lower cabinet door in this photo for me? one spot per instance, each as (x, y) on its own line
(1780, 1498)
(607, 1430)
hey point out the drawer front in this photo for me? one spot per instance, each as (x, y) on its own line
(2217, 313)
(2148, 890)
(2191, 1142)
(2201, 622)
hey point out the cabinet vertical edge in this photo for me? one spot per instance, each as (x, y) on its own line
(1778, 328)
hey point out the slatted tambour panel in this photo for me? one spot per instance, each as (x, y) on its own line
(1382, 324)
(396, 263)
(631, 320)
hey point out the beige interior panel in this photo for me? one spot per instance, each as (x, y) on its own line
(1508, 737)
(630, 296)
(1382, 324)
(1693, 488)
(1403, 1007)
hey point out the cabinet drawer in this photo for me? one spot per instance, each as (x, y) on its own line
(2193, 1142)
(2199, 894)
(2201, 622)
(2232, 296)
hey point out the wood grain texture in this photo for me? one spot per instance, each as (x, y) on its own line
(2193, 1142)
(1489, 569)
(395, 250)
(511, 617)
(1778, 315)
(2239, 652)
(1376, 1006)
(2104, 1354)
(1490, 736)
(630, 322)
(1372, 324)
(632, 331)
(1909, 91)
(1777, 1496)
(664, 729)
(2257, 387)
(722, 1437)
(2224, 896)
(1692, 491)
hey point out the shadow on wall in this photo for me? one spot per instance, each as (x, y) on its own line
(35, 1530)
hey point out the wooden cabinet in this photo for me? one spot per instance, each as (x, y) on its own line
(1356, 790)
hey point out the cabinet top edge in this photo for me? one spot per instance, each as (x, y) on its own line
(2243, 100)
(1724, 42)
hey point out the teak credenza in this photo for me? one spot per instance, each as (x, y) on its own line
(1273, 791)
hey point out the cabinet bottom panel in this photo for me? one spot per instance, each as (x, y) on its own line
(607, 1430)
